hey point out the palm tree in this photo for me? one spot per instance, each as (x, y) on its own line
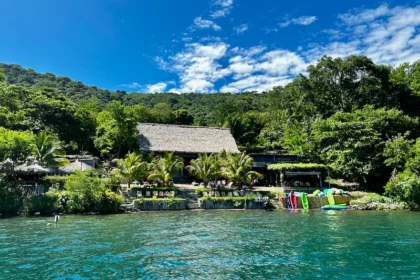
(46, 150)
(239, 169)
(164, 169)
(206, 168)
(131, 168)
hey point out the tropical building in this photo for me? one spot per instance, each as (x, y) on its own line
(184, 141)
(283, 169)
(87, 159)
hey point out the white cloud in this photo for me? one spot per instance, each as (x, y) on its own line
(223, 3)
(159, 87)
(304, 20)
(132, 85)
(269, 30)
(204, 24)
(254, 69)
(240, 28)
(210, 38)
(385, 34)
(221, 8)
(197, 66)
(257, 83)
(367, 15)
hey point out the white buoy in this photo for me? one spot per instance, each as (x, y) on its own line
(56, 218)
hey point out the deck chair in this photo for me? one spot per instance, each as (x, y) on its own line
(205, 194)
(217, 194)
(139, 194)
(166, 194)
(148, 194)
(223, 194)
(161, 194)
(172, 193)
(229, 194)
(235, 193)
(212, 194)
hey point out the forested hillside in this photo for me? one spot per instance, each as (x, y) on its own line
(358, 117)
(201, 106)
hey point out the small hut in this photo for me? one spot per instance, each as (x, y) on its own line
(76, 165)
(298, 176)
(31, 173)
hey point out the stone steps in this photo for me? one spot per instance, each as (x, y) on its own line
(191, 197)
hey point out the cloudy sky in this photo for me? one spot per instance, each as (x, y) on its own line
(201, 45)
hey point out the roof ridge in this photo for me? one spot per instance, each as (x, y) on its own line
(183, 125)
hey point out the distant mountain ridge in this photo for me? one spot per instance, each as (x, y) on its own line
(74, 90)
(201, 106)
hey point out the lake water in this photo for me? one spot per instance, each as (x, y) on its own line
(214, 245)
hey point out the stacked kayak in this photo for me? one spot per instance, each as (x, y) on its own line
(332, 205)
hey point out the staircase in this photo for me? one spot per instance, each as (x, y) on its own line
(127, 198)
(191, 198)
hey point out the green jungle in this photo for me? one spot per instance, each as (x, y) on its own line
(359, 118)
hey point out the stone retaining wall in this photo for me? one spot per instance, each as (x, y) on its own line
(159, 205)
(210, 204)
(317, 202)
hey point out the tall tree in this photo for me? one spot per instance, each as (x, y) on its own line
(165, 168)
(116, 130)
(131, 168)
(16, 145)
(47, 149)
(205, 167)
(239, 169)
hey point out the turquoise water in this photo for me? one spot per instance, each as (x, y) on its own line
(214, 245)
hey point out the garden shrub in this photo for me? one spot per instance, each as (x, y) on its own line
(40, 203)
(405, 187)
(10, 196)
(85, 192)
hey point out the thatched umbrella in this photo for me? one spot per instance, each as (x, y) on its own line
(77, 165)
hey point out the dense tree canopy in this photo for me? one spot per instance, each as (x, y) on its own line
(349, 113)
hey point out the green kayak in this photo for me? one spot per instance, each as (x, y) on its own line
(334, 207)
(305, 202)
(330, 197)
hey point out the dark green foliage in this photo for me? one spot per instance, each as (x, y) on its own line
(72, 89)
(342, 113)
(84, 192)
(43, 203)
(406, 188)
(182, 116)
(10, 195)
(55, 181)
(353, 143)
(15, 145)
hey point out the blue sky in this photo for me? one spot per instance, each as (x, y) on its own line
(201, 46)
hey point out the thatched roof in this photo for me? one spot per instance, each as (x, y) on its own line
(77, 165)
(185, 139)
(36, 167)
